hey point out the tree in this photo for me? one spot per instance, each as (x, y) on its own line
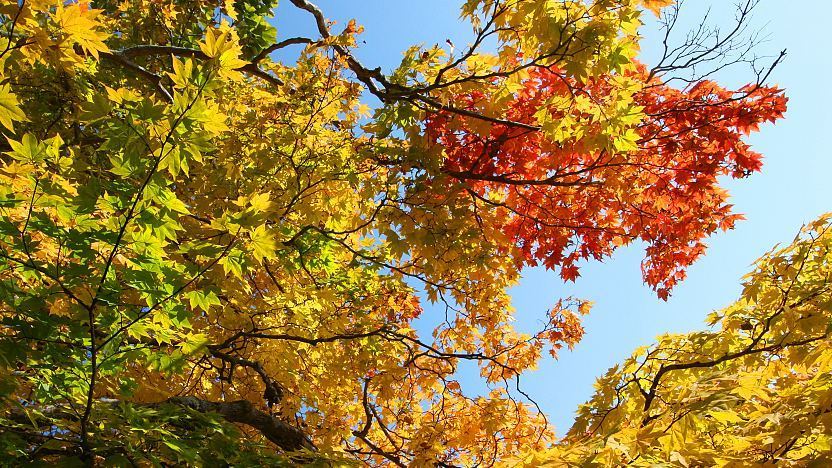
(209, 256)
(755, 390)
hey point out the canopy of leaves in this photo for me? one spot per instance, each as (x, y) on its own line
(755, 389)
(208, 256)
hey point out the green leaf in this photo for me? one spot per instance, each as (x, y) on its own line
(28, 149)
(98, 108)
(202, 300)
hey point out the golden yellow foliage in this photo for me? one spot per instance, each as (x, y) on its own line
(756, 389)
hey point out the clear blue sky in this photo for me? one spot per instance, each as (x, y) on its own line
(793, 188)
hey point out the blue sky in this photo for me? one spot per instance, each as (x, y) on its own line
(792, 189)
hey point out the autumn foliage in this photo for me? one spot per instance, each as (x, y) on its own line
(565, 196)
(209, 256)
(752, 390)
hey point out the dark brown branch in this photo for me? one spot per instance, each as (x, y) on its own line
(153, 78)
(280, 433)
(503, 179)
(151, 49)
(280, 45)
(277, 431)
(274, 391)
(315, 341)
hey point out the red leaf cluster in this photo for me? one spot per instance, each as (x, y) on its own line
(565, 201)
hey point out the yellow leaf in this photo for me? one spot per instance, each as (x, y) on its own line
(80, 26)
(726, 416)
(263, 243)
(9, 110)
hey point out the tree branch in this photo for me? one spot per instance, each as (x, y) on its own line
(280, 433)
